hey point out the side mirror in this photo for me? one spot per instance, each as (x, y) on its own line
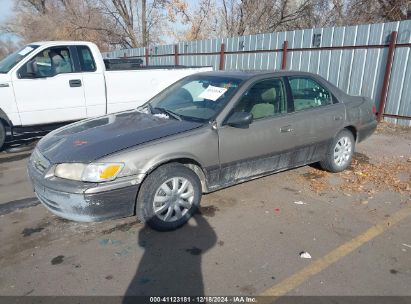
(30, 70)
(240, 119)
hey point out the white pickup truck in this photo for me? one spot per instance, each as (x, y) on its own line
(63, 81)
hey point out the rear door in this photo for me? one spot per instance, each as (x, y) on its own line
(317, 116)
(262, 146)
(51, 89)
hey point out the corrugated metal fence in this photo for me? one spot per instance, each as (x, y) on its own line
(355, 58)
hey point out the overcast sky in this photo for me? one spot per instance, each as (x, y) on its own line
(5, 9)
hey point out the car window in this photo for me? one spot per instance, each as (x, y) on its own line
(198, 97)
(49, 62)
(264, 99)
(307, 93)
(87, 63)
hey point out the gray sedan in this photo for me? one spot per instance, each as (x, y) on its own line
(205, 132)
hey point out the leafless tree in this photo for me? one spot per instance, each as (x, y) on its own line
(7, 46)
(109, 23)
(135, 23)
(140, 21)
(201, 22)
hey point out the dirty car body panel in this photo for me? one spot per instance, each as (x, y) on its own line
(220, 153)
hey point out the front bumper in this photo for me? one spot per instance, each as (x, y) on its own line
(85, 202)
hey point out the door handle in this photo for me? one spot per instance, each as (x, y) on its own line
(286, 129)
(4, 85)
(338, 117)
(74, 83)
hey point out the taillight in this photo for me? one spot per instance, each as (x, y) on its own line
(374, 109)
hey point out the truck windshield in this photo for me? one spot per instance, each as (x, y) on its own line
(11, 60)
(197, 97)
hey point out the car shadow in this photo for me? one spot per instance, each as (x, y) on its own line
(22, 142)
(171, 264)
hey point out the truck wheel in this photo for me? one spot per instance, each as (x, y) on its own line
(168, 197)
(340, 152)
(2, 135)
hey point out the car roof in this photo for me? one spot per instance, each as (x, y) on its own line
(60, 43)
(252, 73)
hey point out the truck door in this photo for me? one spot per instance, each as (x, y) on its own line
(93, 82)
(49, 88)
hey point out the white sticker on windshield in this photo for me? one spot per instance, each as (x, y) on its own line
(212, 93)
(26, 50)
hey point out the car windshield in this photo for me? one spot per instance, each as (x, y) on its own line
(196, 97)
(11, 60)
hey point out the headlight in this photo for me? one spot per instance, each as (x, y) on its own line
(98, 172)
(101, 172)
(70, 171)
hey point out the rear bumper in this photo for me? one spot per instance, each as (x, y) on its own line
(366, 130)
(83, 202)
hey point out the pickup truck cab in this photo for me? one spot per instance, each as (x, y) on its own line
(64, 81)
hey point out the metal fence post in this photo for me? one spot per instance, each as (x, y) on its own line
(222, 48)
(284, 59)
(176, 54)
(146, 56)
(387, 75)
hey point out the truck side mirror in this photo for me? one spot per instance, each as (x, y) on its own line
(32, 68)
(29, 70)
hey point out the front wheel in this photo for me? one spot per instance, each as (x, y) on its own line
(168, 197)
(340, 153)
(2, 135)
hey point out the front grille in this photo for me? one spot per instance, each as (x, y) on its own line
(39, 161)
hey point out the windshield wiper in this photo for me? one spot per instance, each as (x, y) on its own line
(166, 111)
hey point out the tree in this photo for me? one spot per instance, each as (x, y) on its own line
(201, 22)
(210, 19)
(108, 23)
(136, 23)
(7, 46)
(36, 20)
(141, 24)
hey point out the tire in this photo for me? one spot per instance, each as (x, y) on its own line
(166, 190)
(340, 152)
(2, 135)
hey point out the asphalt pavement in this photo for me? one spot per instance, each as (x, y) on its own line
(247, 240)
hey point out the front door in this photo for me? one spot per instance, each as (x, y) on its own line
(262, 146)
(49, 89)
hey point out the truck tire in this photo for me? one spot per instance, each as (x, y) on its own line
(340, 152)
(168, 197)
(2, 135)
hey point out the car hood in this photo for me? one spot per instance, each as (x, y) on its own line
(92, 139)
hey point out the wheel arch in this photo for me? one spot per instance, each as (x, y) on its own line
(4, 118)
(188, 162)
(353, 130)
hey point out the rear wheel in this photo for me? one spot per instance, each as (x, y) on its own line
(340, 153)
(2, 135)
(168, 197)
